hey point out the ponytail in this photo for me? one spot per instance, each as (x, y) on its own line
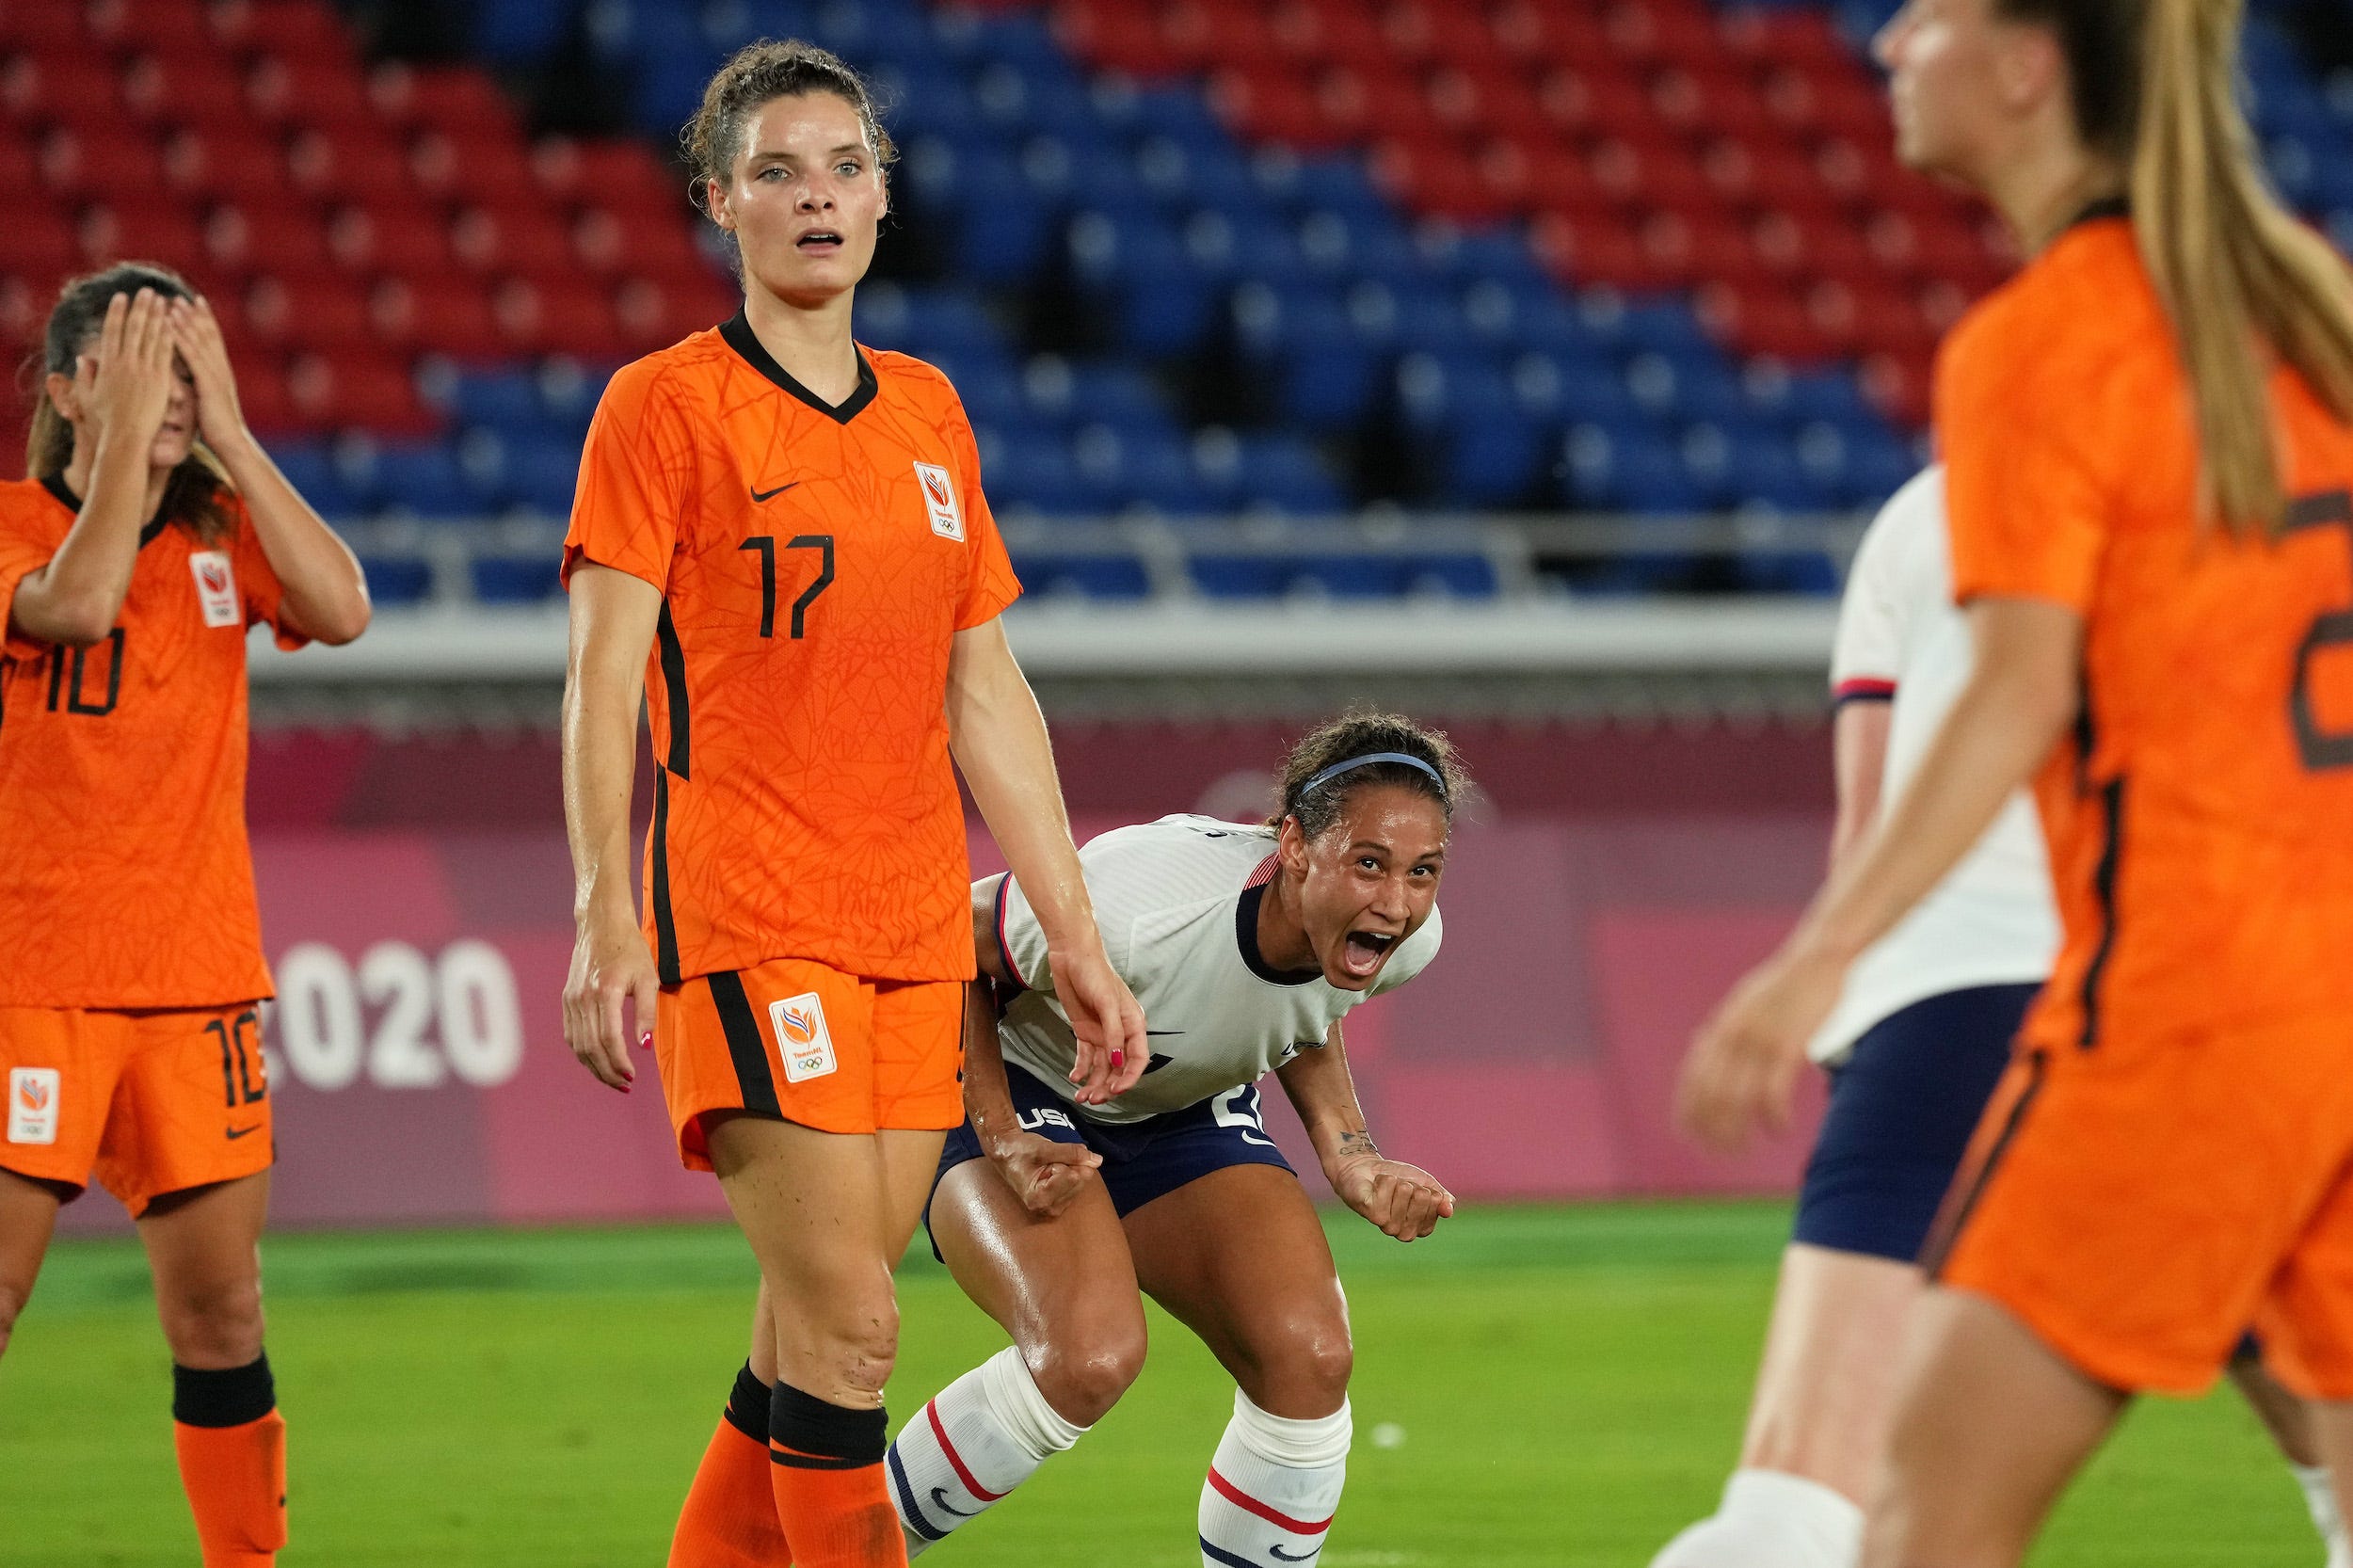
(2241, 278)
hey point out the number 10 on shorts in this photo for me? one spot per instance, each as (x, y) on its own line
(802, 1038)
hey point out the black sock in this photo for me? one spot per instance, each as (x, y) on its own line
(748, 1406)
(229, 1397)
(806, 1432)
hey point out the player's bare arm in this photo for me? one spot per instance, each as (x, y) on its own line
(1859, 759)
(1043, 1174)
(2021, 697)
(1404, 1201)
(116, 400)
(999, 741)
(326, 593)
(613, 617)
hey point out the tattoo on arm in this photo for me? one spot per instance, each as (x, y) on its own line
(1356, 1145)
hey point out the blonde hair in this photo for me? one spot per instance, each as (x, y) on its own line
(197, 490)
(2237, 273)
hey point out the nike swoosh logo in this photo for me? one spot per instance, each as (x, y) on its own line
(241, 1131)
(1163, 1032)
(1281, 1556)
(771, 495)
(940, 1501)
(1157, 1062)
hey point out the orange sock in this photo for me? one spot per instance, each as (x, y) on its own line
(730, 1520)
(825, 1465)
(233, 1461)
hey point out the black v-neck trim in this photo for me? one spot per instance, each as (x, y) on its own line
(2107, 206)
(740, 337)
(54, 483)
(1246, 939)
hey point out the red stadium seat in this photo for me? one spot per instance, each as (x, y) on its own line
(459, 100)
(305, 30)
(324, 312)
(1436, 178)
(1359, 105)
(1209, 33)
(25, 299)
(125, 166)
(1658, 175)
(195, 86)
(529, 242)
(1349, 35)
(218, 165)
(1584, 249)
(375, 394)
(20, 169)
(1799, 35)
(1267, 106)
(491, 170)
(622, 172)
(1597, 103)
(613, 247)
(1116, 35)
(142, 231)
(1716, 103)
(1828, 248)
(279, 237)
(1544, 32)
(353, 163)
(176, 28)
(1900, 387)
(53, 31)
(1498, 103)
(39, 241)
(654, 314)
(388, 238)
(1764, 319)
(438, 315)
(1767, 176)
(289, 93)
(263, 398)
(1542, 175)
(560, 316)
(58, 90)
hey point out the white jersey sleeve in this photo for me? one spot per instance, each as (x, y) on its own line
(1177, 901)
(1992, 921)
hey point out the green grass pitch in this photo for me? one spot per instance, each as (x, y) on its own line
(1570, 1383)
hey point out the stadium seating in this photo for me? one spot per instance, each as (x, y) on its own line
(1191, 258)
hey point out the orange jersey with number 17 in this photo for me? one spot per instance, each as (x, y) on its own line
(815, 562)
(2201, 820)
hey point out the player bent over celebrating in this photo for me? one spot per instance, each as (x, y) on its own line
(1246, 946)
(151, 532)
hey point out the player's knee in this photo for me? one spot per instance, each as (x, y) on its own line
(1313, 1359)
(1084, 1377)
(12, 1300)
(860, 1346)
(217, 1324)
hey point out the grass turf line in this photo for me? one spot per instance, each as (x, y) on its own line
(1570, 1380)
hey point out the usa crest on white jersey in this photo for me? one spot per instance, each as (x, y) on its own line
(216, 586)
(939, 501)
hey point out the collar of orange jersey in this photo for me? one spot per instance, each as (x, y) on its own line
(54, 483)
(2106, 207)
(740, 337)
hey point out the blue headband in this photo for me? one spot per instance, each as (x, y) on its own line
(1354, 762)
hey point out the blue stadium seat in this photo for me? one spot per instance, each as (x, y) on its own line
(1365, 576)
(396, 581)
(501, 399)
(1627, 471)
(1458, 574)
(1283, 473)
(312, 470)
(1034, 472)
(1092, 576)
(513, 579)
(522, 32)
(542, 474)
(1224, 576)
(1137, 273)
(422, 479)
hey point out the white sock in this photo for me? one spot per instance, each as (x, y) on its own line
(978, 1440)
(1771, 1520)
(2320, 1500)
(1275, 1483)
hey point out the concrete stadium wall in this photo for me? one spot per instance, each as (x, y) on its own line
(1603, 891)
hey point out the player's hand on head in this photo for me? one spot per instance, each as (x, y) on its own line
(1107, 1022)
(125, 384)
(196, 336)
(1742, 1069)
(1401, 1201)
(610, 966)
(1043, 1174)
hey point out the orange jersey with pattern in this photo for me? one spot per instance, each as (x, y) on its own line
(815, 562)
(125, 877)
(2200, 819)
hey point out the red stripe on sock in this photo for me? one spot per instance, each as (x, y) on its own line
(956, 1460)
(1243, 1500)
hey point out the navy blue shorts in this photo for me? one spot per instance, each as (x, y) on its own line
(1901, 1111)
(1141, 1160)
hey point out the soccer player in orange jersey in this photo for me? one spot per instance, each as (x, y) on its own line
(780, 537)
(2149, 443)
(151, 532)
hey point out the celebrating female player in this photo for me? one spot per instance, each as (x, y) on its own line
(2150, 477)
(1920, 1037)
(783, 538)
(1247, 945)
(151, 532)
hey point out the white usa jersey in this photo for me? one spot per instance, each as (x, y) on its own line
(1991, 920)
(1177, 902)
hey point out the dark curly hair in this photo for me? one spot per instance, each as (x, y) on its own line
(196, 495)
(1359, 733)
(757, 75)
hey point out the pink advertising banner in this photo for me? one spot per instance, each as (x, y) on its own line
(417, 1060)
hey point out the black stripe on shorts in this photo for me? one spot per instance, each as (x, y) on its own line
(744, 1045)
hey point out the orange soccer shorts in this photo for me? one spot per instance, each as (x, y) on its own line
(806, 1043)
(2140, 1204)
(149, 1103)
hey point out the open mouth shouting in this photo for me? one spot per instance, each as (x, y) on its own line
(820, 242)
(1362, 955)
